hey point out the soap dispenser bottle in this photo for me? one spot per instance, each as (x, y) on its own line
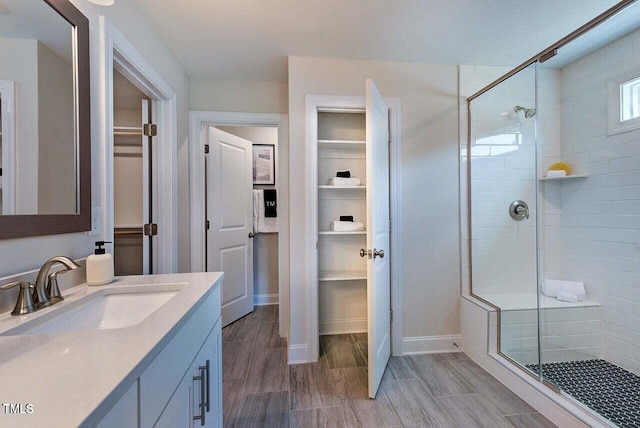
(100, 266)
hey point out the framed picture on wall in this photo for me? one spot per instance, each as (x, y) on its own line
(264, 166)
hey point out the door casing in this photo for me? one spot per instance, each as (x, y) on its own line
(314, 103)
(197, 122)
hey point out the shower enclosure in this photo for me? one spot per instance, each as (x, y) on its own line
(577, 102)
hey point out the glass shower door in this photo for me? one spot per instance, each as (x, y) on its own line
(502, 176)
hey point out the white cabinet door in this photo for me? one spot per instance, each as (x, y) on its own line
(215, 419)
(206, 373)
(125, 412)
(378, 268)
(229, 182)
(198, 400)
(178, 411)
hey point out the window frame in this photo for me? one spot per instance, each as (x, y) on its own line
(615, 124)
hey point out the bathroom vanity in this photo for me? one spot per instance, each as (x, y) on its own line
(143, 351)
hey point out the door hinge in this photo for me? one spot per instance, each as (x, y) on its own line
(391, 315)
(206, 149)
(150, 229)
(208, 225)
(150, 129)
(389, 225)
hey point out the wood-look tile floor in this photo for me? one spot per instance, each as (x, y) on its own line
(441, 390)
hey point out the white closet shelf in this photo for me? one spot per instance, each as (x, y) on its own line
(345, 275)
(331, 232)
(566, 177)
(341, 187)
(341, 144)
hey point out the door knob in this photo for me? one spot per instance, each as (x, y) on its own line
(377, 253)
(251, 235)
(365, 253)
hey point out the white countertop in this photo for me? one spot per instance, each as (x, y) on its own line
(74, 378)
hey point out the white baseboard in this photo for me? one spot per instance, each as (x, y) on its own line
(431, 344)
(298, 354)
(344, 326)
(265, 299)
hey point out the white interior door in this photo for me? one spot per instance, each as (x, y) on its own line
(378, 267)
(230, 214)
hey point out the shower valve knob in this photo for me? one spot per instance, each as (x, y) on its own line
(519, 210)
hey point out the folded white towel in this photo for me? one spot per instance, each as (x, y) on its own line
(346, 226)
(552, 287)
(262, 224)
(343, 181)
(554, 174)
(567, 297)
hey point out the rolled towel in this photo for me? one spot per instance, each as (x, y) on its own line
(567, 297)
(341, 181)
(346, 226)
(552, 287)
(555, 174)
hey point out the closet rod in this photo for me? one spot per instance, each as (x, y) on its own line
(128, 133)
(118, 231)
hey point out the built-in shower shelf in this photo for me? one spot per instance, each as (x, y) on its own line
(566, 177)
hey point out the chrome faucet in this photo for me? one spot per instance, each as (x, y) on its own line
(43, 297)
(46, 291)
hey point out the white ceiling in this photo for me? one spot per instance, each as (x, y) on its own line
(250, 39)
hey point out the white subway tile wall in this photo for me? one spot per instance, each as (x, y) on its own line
(589, 229)
(600, 225)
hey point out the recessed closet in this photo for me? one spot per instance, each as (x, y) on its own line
(348, 142)
(342, 272)
(131, 178)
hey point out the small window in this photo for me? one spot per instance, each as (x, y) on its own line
(630, 100)
(624, 103)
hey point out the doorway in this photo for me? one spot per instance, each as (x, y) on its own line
(118, 55)
(198, 135)
(134, 188)
(241, 201)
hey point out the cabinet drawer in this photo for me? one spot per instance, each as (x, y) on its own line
(161, 378)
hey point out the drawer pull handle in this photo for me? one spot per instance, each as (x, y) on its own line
(201, 378)
(207, 367)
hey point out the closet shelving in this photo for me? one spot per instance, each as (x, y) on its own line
(342, 276)
(328, 276)
(327, 187)
(331, 232)
(341, 144)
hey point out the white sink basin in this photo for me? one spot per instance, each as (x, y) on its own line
(106, 308)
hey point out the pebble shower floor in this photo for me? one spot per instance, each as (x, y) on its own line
(606, 388)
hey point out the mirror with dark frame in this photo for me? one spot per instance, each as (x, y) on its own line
(44, 119)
